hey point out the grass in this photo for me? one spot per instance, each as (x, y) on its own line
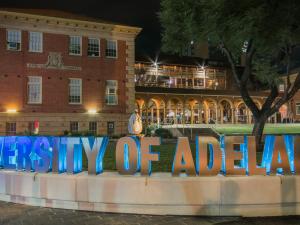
(269, 129)
(166, 156)
(167, 150)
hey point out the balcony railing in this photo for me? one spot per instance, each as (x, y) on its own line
(180, 77)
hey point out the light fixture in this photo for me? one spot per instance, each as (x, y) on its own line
(11, 111)
(92, 111)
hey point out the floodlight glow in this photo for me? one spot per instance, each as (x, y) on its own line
(11, 111)
(92, 111)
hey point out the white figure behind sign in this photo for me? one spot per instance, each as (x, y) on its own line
(135, 125)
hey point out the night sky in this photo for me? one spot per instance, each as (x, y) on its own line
(132, 12)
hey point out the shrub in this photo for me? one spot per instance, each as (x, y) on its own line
(163, 133)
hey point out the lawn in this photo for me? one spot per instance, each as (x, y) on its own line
(269, 129)
(164, 164)
(167, 150)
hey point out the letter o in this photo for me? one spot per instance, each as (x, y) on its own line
(127, 155)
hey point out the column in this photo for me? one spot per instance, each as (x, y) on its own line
(232, 115)
(157, 116)
(249, 116)
(192, 115)
(207, 117)
(183, 113)
(217, 114)
(165, 110)
(152, 115)
(147, 111)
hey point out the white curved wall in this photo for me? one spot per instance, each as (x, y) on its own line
(159, 194)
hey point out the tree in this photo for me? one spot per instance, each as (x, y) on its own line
(265, 32)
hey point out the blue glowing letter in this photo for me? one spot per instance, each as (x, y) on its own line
(41, 147)
(95, 154)
(24, 146)
(9, 153)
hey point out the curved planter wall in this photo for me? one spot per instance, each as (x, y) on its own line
(159, 194)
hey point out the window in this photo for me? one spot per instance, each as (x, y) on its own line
(281, 87)
(14, 40)
(34, 90)
(297, 108)
(11, 128)
(199, 82)
(111, 92)
(75, 91)
(74, 127)
(93, 47)
(111, 49)
(35, 42)
(75, 45)
(110, 128)
(93, 127)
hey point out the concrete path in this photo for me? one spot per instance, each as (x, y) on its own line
(13, 214)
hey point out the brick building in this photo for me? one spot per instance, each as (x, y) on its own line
(65, 72)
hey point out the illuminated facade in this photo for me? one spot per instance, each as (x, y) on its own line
(194, 92)
(65, 73)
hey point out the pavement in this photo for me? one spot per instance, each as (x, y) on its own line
(13, 214)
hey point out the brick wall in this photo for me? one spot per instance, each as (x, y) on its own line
(94, 73)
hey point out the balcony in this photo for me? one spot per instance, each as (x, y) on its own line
(162, 76)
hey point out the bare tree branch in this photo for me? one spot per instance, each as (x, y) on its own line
(231, 62)
(270, 99)
(286, 97)
(242, 82)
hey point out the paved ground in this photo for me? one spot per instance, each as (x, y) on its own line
(12, 214)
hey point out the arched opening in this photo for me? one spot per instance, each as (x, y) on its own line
(241, 113)
(154, 112)
(194, 112)
(211, 111)
(174, 113)
(226, 111)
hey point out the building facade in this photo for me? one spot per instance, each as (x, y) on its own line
(172, 90)
(293, 106)
(65, 73)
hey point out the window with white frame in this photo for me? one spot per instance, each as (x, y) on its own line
(11, 128)
(298, 108)
(111, 95)
(93, 127)
(75, 91)
(13, 40)
(111, 49)
(281, 87)
(93, 47)
(35, 41)
(34, 90)
(75, 45)
(74, 127)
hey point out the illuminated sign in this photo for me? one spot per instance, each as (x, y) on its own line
(231, 155)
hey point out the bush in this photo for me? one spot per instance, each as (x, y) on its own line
(163, 133)
(150, 130)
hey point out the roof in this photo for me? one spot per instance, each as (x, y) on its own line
(180, 60)
(62, 15)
